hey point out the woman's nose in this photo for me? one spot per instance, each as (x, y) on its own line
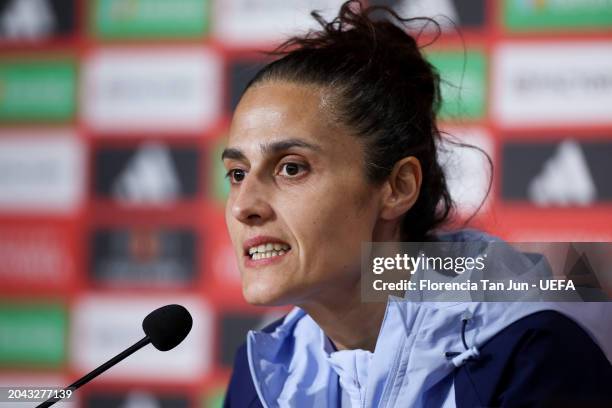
(251, 205)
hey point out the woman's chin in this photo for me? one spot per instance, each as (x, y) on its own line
(265, 295)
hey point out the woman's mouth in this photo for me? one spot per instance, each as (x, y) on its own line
(268, 250)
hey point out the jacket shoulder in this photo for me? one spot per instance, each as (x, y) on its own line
(241, 389)
(543, 359)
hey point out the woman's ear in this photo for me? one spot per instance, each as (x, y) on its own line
(401, 189)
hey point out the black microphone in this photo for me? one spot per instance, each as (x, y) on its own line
(165, 328)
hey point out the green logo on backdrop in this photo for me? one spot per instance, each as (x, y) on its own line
(463, 83)
(219, 184)
(32, 334)
(150, 18)
(213, 398)
(37, 90)
(544, 14)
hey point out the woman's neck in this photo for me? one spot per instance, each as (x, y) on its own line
(346, 320)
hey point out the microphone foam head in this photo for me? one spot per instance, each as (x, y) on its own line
(167, 326)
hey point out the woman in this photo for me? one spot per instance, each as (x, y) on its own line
(332, 145)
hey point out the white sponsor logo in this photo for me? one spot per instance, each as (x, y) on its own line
(544, 84)
(260, 21)
(149, 177)
(34, 255)
(103, 326)
(171, 90)
(565, 179)
(27, 19)
(41, 172)
(467, 169)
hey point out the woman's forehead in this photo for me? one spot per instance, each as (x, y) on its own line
(277, 111)
(278, 102)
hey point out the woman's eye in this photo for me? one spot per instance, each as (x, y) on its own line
(291, 169)
(236, 175)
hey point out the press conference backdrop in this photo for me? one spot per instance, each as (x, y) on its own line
(112, 116)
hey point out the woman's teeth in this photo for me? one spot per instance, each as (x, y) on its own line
(269, 250)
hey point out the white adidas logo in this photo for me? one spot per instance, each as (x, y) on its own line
(149, 178)
(565, 179)
(27, 19)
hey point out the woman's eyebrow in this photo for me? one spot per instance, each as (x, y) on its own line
(270, 148)
(232, 153)
(282, 145)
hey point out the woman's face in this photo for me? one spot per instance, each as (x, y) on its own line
(299, 204)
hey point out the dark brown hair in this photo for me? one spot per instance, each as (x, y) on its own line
(384, 89)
